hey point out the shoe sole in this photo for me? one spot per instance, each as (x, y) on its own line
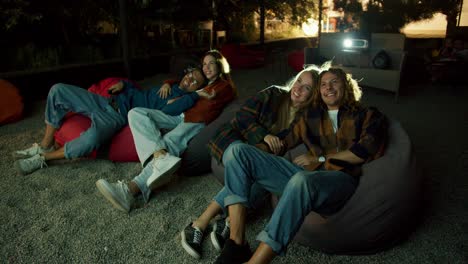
(214, 242)
(187, 248)
(109, 197)
(165, 177)
(18, 168)
(23, 172)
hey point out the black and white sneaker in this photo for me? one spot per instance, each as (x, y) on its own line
(220, 233)
(192, 238)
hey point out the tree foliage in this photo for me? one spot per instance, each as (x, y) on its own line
(391, 15)
(238, 16)
(54, 20)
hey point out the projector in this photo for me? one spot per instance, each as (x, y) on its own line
(355, 44)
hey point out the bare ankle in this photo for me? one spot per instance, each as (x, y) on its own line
(198, 225)
(238, 241)
(133, 188)
(159, 153)
(45, 146)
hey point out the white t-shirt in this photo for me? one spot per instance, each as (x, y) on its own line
(334, 119)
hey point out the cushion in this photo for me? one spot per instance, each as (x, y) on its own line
(102, 86)
(72, 127)
(240, 56)
(382, 211)
(296, 60)
(74, 124)
(122, 147)
(11, 103)
(196, 159)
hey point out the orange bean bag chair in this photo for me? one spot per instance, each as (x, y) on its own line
(11, 103)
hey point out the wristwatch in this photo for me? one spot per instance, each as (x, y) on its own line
(321, 159)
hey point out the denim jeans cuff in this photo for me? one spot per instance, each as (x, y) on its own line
(235, 199)
(56, 126)
(275, 246)
(65, 152)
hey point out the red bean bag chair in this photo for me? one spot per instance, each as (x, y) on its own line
(72, 127)
(122, 147)
(11, 103)
(296, 60)
(241, 57)
(195, 159)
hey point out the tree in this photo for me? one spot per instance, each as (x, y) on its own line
(54, 21)
(391, 15)
(237, 16)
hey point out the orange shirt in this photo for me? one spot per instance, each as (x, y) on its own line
(207, 110)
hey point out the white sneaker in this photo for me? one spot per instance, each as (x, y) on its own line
(29, 152)
(26, 166)
(163, 168)
(117, 193)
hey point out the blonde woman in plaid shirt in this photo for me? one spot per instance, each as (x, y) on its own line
(260, 119)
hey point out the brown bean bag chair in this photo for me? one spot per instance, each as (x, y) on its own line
(11, 103)
(381, 212)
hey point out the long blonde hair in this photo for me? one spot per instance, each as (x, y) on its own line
(314, 70)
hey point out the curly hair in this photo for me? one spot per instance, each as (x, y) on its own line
(222, 64)
(351, 93)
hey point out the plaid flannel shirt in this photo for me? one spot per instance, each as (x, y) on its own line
(363, 132)
(251, 123)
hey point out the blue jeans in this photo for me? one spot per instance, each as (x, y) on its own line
(146, 125)
(324, 192)
(105, 121)
(257, 193)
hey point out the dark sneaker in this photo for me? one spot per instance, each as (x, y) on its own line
(192, 238)
(233, 253)
(220, 233)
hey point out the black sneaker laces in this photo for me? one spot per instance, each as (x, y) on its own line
(225, 231)
(197, 236)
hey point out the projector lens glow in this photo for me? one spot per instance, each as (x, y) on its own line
(355, 44)
(347, 43)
